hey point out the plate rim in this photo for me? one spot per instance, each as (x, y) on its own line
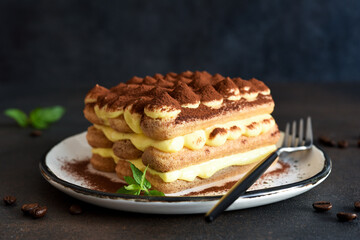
(50, 176)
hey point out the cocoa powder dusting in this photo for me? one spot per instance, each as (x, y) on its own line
(235, 128)
(284, 168)
(184, 94)
(95, 92)
(241, 83)
(225, 87)
(149, 80)
(201, 79)
(171, 74)
(187, 74)
(200, 85)
(184, 79)
(266, 121)
(208, 93)
(216, 78)
(79, 170)
(165, 84)
(258, 85)
(164, 99)
(158, 76)
(135, 80)
(216, 131)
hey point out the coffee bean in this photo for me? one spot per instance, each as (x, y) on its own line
(38, 212)
(346, 217)
(27, 208)
(327, 141)
(343, 144)
(9, 200)
(35, 133)
(322, 206)
(75, 209)
(357, 205)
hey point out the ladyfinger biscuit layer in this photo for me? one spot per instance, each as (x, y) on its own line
(180, 185)
(123, 149)
(215, 135)
(165, 162)
(163, 107)
(119, 124)
(104, 164)
(97, 139)
(210, 167)
(126, 150)
(123, 169)
(182, 125)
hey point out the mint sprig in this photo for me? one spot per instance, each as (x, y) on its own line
(138, 184)
(19, 116)
(39, 118)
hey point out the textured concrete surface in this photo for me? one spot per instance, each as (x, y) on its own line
(335, 111)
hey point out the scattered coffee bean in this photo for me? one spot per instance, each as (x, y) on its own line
(357, 205)
(346, 217)
(327, 141)
(343, 144)
(322, 206)
(27, 208)
(75, 209)
(9, 200)
(35, 133)
(38, 212)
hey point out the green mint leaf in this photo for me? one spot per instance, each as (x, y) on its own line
(143, 178)
(133, 187)
(41, 117)
(155, 193)
(129, 180)
(124, 191)
(37, 120)
(38, 123)
(138, 184)
(137, 174)
(52, 114)
(145, 183)
(19, 116)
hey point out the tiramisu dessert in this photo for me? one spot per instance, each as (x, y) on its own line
(191, 129)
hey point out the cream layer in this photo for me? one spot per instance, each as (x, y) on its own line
(202, 170)
(249, 127)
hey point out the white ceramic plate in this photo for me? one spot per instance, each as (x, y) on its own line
(305, 171)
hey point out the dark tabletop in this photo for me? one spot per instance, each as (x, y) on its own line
(335, 110)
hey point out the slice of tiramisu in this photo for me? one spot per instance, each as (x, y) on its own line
(191, 129)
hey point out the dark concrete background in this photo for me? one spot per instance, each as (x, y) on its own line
(58, 42)
(334, 109)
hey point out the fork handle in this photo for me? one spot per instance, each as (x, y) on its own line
(240, 187)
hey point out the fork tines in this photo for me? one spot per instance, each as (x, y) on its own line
(299, 137)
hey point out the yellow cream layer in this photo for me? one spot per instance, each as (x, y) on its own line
(209, 168)
(249, 127)
(202, 170)
(106, 153)
(104, 115)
